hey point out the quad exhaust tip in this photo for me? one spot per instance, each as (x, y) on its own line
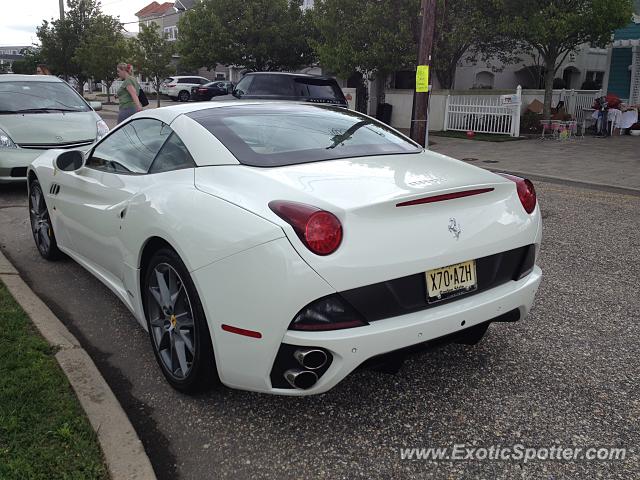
(311, 358)
(301, 379)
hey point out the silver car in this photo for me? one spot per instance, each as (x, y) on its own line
(38, 113)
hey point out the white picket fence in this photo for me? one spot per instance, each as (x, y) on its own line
(575, 101)
(484, 113)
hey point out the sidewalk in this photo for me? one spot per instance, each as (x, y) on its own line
(613, 162)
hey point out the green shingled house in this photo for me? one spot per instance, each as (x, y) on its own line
(624, 68)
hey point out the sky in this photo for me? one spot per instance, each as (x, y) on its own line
(19, 18)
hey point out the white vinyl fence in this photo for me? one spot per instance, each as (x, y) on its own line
(146, 86)
(485, 113)
(498, 114)
(576, 101)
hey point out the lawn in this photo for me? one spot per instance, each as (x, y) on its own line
(44, 433)
(481, 137)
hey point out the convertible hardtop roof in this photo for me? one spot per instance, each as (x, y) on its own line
(170, 113)
(12, 77)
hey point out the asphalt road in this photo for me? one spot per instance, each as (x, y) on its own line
(567, 375)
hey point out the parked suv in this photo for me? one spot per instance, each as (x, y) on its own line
(288, 86)
(179, 87)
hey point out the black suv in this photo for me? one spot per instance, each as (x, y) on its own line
(288, 86)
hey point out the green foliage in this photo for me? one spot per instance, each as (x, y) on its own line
(382, 36)
(255, 34)
(467, 28)
(44, 433)
(530, 123)
(60, 39)
(104, 46)
(152, 54)
(553, 29)
(370, 37)
(27, 66)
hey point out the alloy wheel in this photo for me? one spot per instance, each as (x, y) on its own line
(40, 220)
(171, 320)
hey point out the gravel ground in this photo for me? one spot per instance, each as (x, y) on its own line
(567, 375)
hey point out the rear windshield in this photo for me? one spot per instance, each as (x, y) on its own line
(39, 97)
(318, 89)
(273, 135)
(168, 80)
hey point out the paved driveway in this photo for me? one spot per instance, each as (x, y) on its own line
(611, 161)
(567, 375)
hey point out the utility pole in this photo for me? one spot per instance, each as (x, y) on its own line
(61, 9)
(421, 99)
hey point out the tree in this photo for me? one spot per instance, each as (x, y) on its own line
(467, 29)
(103, 47)
(258, 35)
(369, 37)
(554, 29)
(366, 39)
(60, 39)
(383, 36)
(27, 65)
(152, 54)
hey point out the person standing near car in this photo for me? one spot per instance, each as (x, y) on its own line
(127, 93)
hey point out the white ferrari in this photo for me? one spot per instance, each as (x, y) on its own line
(276, 246)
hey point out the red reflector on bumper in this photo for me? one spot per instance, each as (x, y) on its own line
(241, 331)
(444, 196)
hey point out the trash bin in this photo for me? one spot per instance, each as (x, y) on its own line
(383, 113)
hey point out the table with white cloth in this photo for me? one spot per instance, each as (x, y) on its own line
(628, 119)
(617, 118)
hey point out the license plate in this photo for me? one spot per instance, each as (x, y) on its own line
(451, 281)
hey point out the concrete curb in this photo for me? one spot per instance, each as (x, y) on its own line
(123, 451)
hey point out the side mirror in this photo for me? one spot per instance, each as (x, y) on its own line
(96, 105)
(236, 93)
(70, 161)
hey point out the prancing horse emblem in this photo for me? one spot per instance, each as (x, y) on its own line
(455, 228)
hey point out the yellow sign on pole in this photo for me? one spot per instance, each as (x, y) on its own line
(422, 79)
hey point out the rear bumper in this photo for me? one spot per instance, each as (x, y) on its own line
(261, 289)
(350, 348)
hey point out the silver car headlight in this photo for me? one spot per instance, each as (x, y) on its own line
(5, 140)
(102, 129)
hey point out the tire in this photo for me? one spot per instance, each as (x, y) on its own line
(41, 227)
(183, 96)
(177, 325)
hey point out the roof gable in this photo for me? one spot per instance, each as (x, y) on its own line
(155, 9)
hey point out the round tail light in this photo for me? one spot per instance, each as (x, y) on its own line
(319, 230)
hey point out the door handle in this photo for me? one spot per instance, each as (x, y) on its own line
(123, 212)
